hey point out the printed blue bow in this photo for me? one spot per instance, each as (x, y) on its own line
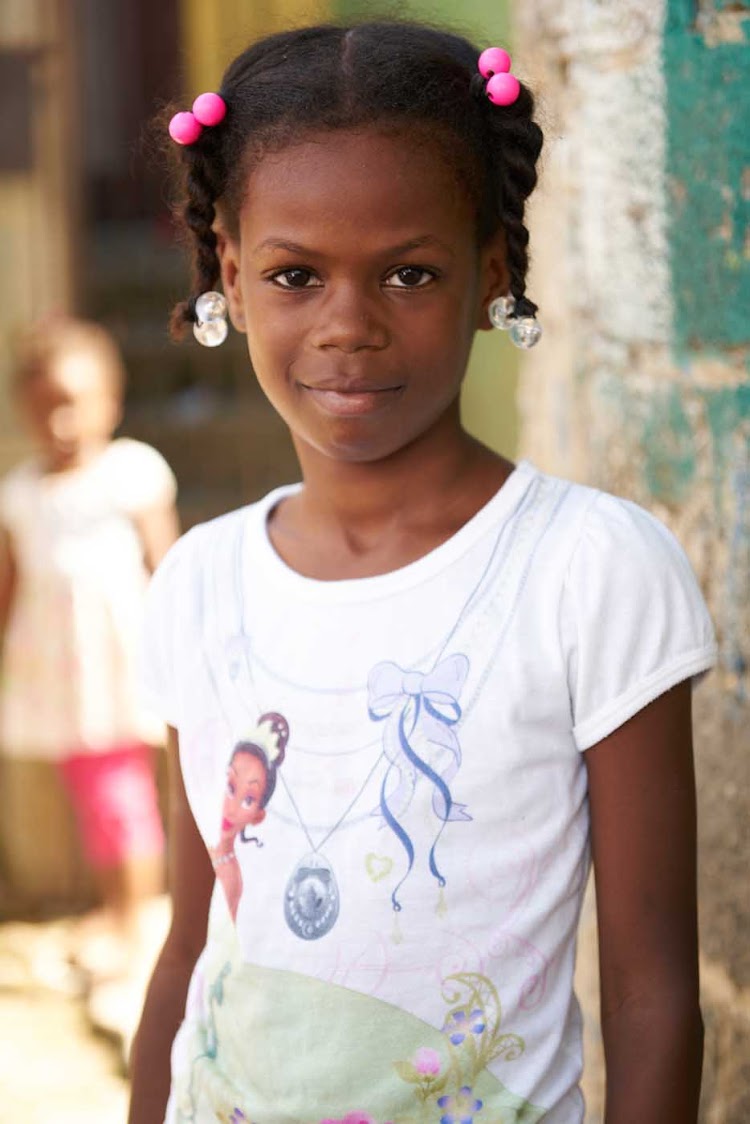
(419, 711)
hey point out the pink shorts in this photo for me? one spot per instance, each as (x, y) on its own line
(115, 801)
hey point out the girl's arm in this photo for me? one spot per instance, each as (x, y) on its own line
(643, 824)
(7, 580)
(191, 880)
(158, 528)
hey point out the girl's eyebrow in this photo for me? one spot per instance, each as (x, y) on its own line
(391, 251)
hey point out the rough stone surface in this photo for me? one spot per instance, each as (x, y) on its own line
(635, 394)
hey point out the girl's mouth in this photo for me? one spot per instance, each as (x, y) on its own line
(354, 402)
(226, 825)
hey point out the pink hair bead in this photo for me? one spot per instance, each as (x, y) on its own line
(503, 89)
(210, 109)
(494, 61)
(185, 128)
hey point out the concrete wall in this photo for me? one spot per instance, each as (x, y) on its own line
(641, 233)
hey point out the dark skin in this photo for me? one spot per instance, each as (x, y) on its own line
(367, 376)
(191, 880)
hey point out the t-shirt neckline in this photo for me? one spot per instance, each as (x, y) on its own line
(258, 550)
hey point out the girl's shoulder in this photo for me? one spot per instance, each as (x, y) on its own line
(136, 474)
(633, 620)
(199, 567)
(602, 530)
(186, 562)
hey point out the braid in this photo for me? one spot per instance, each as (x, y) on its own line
(516, 144)
(195, 215)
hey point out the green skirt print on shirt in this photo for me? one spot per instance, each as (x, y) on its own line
(323, 1049)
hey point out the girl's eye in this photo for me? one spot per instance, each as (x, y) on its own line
(230, 788)
(410, 277)
(295, 279)
(248, 802)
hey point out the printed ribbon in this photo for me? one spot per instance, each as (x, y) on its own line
(419, 711)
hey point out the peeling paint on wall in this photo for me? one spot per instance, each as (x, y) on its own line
(707, 73)
(662, 418)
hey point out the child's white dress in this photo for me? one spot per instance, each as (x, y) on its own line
(69, 668)
(405, 939)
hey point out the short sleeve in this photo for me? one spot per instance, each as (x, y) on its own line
(634, 620)
(161, 641)
(141, 478)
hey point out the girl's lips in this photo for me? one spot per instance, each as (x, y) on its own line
(226, 825)
(351, 403)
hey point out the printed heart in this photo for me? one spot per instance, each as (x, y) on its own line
(378, 866)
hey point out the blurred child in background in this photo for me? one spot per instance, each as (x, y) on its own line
(82, 524)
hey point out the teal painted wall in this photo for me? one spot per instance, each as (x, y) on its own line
(489, 399)
(707, 71)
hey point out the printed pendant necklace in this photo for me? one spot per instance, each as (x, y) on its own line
(311, 896)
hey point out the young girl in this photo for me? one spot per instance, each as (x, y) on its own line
(483, 667)
(81, 524)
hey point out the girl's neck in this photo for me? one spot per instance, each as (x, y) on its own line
(358, 520)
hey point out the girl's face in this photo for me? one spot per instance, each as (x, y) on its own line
(71, 406)
(357, 279)
(243, 799)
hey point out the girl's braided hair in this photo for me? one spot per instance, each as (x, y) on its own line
(384, 74)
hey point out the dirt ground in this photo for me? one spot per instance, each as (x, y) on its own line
(63, 1048)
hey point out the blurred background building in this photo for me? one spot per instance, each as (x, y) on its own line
(641, 241)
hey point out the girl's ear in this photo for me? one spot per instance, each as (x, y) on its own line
(228, 252)
(494, 276)
(258, 816)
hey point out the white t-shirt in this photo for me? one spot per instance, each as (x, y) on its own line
(405, 935)
(70, 653)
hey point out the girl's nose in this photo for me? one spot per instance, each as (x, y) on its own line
(348, 322)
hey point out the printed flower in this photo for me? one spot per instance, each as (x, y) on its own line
(427, 1061)
(460, 1024)
(351, 1118)
(461, 1108)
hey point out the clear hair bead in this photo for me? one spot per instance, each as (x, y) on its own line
(525, 332)
(211, 328)
(500, 311)
(211, 333)
(210, 306)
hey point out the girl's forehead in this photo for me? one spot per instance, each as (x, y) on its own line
(363, 180)
(77, 372)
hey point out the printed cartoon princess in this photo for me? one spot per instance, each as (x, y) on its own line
(251, 780)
